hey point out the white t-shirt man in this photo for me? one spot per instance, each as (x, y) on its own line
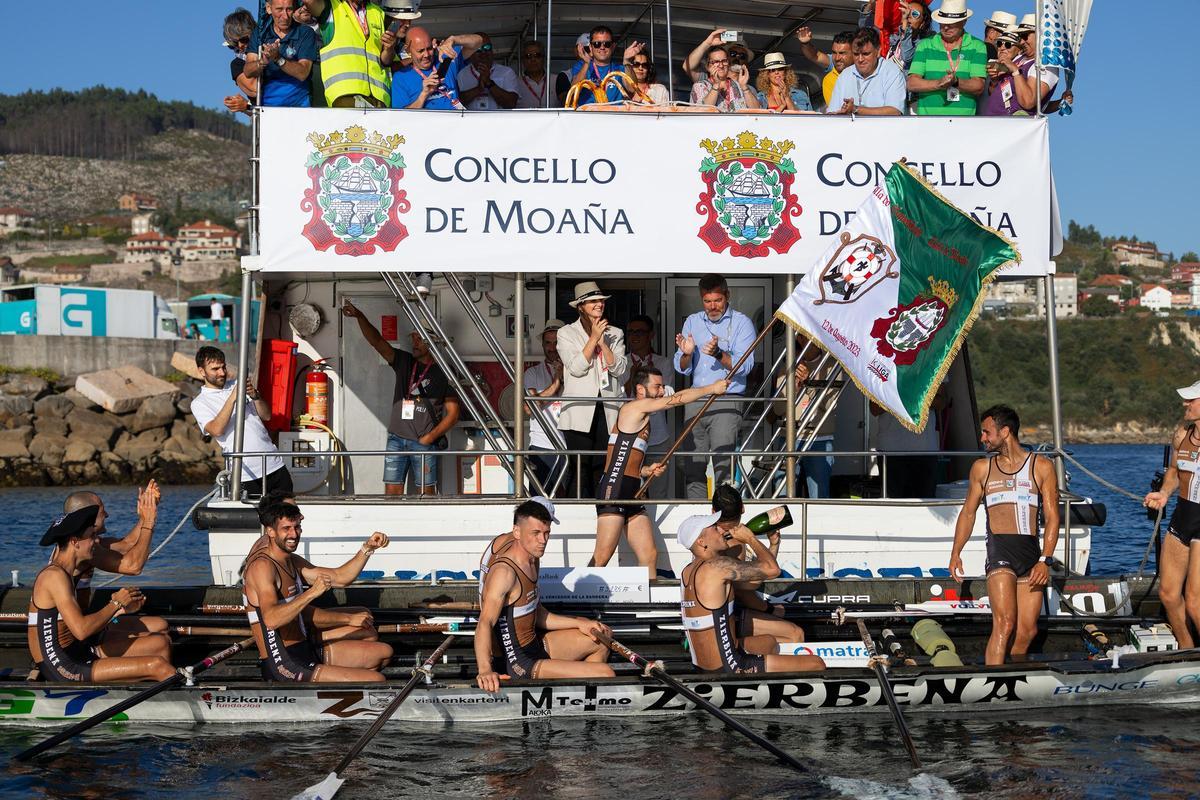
(216, 311)
(531, 93)
(537, 379)
(205, 408)
(502, 76)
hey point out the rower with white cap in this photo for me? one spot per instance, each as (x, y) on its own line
(707, 598)
(1181, 549)
(526, 640)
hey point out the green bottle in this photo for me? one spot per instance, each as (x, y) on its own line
(771, 520)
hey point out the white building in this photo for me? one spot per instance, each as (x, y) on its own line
(140, 223)
(148, 248)
(1195, 290)
(1156, 297)
(207, 241)
(13, 219)
(1066, 300)
(1138, 254)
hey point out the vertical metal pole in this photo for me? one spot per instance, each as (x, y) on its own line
(1055, 397)
(519, 386)
(790, 394)
(1037, 54)
(670, 58)
(652, 31)
(239, 411)
(549, 8)
(804, 541)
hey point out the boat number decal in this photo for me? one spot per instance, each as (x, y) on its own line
(79, 699)
(16, 701)
(840, 694)
(344, 706)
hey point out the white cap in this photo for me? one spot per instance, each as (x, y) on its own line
(545, 503)
(691, 528)
(1190, 392)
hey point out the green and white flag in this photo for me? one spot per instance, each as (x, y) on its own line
(894, 296)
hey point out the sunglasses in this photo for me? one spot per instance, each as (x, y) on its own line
(643, 64)
(605, 44)
(485, 48)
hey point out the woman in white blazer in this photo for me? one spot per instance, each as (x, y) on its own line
(594, 365)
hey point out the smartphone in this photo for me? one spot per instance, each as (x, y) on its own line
(443, 67)
(395, 26)
(993, 63)
(729, 36)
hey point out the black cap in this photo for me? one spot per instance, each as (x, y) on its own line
(69, 525)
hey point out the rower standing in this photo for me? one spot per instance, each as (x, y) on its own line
(284, 624)
(707, 606)
(59, 631)
(528, 641)
(760, 624)
(624, 470)
(128, 634)
(1181, 550)
(1012, 484)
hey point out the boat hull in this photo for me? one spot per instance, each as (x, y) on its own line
(1141, 679)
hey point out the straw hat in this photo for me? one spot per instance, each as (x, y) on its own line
(1028, 23)
(402, 9)
(774, 61)
(952, 11)
(587, 290)
(1001, 20)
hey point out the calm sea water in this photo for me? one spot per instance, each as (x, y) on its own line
(1097, 753)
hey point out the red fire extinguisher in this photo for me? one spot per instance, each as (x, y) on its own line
(316, 394)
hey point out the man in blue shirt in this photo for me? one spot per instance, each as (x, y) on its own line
(282, 53)
(418, 85)
(710, 344)
(870, 86)
(595, 64)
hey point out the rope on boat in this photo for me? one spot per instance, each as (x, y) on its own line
(187, 515)
(1100, 480)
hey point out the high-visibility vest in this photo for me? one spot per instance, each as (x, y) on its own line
(350, 61)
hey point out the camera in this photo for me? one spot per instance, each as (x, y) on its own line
(729, 36)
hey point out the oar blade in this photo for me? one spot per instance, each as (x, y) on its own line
(325, 790)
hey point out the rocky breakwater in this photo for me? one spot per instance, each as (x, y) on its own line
(115, 426)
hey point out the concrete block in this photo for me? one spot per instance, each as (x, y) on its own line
(122, 389)
(186, 364)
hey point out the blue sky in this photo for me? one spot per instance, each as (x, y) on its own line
(1122, 166)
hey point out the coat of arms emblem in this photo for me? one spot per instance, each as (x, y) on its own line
(857, 266)
(908, 328)
(747, 196)
(354, 198)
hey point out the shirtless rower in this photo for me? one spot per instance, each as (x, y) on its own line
(509, 608)
(285, 623)
(501, 543)
(707, 606)
(127, 634)
(1010, 485)
(58, 628)
(365, 632)
(624, 470)
(1180, 567)
(760, 623)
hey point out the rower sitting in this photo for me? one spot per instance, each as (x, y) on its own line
(58, 629)
(364, 631)
(707, 605)
(284, 623)
(760, 623)
(127, 634)
(509, 608)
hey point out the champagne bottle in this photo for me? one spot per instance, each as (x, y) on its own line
(769, 521)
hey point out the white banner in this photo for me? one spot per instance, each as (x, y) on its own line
(601, 193)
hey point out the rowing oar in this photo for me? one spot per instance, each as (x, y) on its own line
(711, 399)
(876, 663)
(654, 669)
(181, 675)
(327, 788)
(1150, 544)
(446, 627)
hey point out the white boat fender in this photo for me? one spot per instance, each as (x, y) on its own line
(1116, 653)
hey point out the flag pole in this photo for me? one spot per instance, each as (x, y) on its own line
(712, 397)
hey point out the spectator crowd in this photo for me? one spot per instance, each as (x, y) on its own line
(372, 54)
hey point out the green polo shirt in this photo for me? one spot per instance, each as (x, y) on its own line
(931, 61)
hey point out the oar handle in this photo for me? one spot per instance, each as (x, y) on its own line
(711, 399)
(656, 671)
(886, 688)
(130, 702)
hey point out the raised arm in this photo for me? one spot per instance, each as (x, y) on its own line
(373, 337)
(809, 50)
(128, 556)
(348, 572)
(691, 64)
